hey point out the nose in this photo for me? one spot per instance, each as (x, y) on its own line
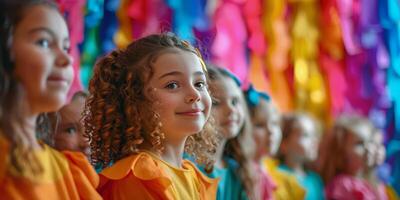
(229, 109)
(193, 95)
(64, 59)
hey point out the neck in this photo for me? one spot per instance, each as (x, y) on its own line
(173, 153)
(296, 166)
(219, 154)
(258, 156)
(28, 128)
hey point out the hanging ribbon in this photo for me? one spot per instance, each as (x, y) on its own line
(311, 94)
(90, 47)
(124, 33)
(276, 58)
(148, 17)
(228, 48)
(188, 15)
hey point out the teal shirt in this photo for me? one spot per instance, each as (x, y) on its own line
(311, 182)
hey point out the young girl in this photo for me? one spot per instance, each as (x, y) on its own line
(145, 103)
(267, 134)
(233, 162)
(299, 148)
(35, 75)
(68, 129)
(343, 159)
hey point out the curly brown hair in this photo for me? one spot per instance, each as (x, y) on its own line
(12, 92)
(119, 118)
(234, 147)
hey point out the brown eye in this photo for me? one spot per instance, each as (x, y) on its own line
(201, 85)
(172, 86)
(70, 130)
(44, 43)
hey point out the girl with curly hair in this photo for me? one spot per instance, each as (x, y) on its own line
(148, 104)
(35, 76)
(233, 157)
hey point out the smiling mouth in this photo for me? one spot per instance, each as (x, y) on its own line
(191, 113)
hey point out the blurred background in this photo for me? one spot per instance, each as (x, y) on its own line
(325, 57)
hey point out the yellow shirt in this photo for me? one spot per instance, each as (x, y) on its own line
(287, 185)
(146, 176)
(66, 175)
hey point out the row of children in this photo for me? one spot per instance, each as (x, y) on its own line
(149, 106)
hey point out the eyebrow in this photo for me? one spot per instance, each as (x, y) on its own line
(47, 30)
(176, 73)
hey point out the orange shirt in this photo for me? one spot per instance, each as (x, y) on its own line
(145, 176)
(66, 175)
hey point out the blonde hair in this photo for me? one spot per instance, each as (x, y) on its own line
(234, 148)
(332, 158)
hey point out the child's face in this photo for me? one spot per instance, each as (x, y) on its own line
(355, 154)
(266, 129)
(376, 150)
(39, 51)
(179, 87)
(302, 144)
(228, 107)
(70, 132)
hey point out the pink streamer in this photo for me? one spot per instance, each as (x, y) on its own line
(228, 49)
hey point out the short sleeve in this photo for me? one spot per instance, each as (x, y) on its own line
(85, 177)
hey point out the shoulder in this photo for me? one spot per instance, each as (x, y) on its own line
(84, 176)
(201, 176)
(231, 163)
(348, 186)
(80, 167)
(208, 186)
(316, 178)
(142, 166)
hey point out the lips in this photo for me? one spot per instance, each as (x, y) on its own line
(58, 80)
(191, 112)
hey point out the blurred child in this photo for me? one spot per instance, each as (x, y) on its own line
(233, 159)
(145, 103)
(267, 135)
(343, 159)
(35, 76)
(298, 149)
(376, 154)
(68, 128)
